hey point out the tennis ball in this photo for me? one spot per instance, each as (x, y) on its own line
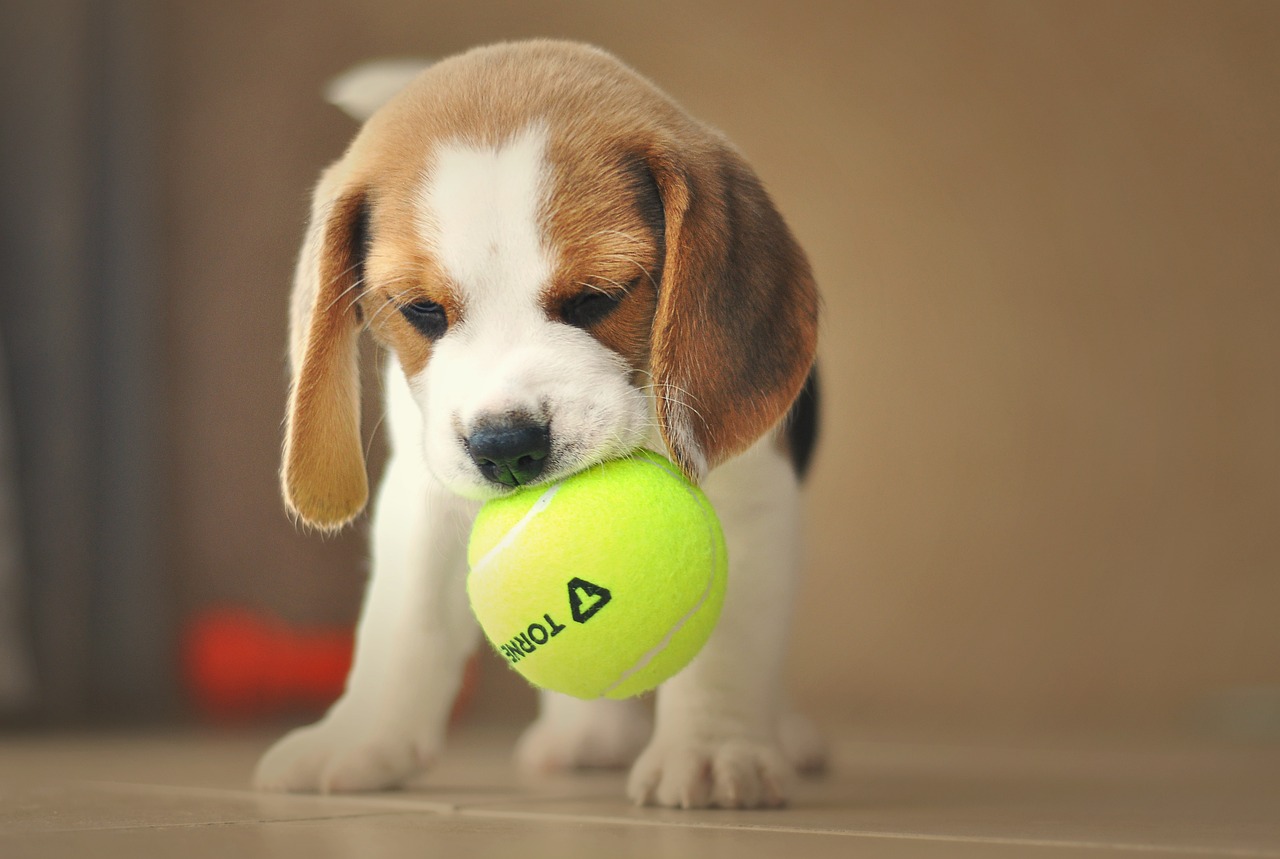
(604, 584)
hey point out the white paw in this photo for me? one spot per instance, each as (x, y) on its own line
(803, 744)
(330, 757)
(602, 734)
(726, 774)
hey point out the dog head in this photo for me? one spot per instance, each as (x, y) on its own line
(566, 267)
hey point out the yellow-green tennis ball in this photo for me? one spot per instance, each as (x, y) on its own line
(604, 584)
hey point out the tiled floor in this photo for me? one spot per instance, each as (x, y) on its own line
(184, 795)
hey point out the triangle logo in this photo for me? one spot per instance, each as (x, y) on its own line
(585, 599)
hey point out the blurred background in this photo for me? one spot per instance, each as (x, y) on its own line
(1048, 490)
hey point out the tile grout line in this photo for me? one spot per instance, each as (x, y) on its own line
(204, 824)
(389, 805)
(381, 801)
(1241, 852)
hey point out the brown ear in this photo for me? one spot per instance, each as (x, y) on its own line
(736, 326)
(323, 475)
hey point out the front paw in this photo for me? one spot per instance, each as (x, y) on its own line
(594, 735)
(731, 773)
(336, 757)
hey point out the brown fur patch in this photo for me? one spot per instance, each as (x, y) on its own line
(736, 329)
(399, 272)
(606, 240)
(323, 475)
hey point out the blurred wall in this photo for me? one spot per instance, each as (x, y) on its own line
(81, 317)
(1049, 485)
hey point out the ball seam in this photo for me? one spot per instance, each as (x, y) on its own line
(648, 657)
(543, 502)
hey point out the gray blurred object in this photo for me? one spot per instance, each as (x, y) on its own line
(1241, 714)
(81, 312)
(16, 686)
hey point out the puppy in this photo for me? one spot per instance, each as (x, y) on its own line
(563, 267)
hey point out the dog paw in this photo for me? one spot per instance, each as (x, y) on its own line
(599, 735)
(726, 774)
(803, 744)
(332, 758)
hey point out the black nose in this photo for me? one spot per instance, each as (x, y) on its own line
(510, 452)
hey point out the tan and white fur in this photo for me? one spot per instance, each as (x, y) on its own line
(548, 248)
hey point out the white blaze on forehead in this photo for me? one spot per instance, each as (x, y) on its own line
(478, 214)
(478, 211)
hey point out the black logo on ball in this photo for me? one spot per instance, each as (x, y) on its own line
(585, 599)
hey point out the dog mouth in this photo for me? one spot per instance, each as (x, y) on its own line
(503, 451)
(558, 464)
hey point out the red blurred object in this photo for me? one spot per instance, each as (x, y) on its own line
(239, 664)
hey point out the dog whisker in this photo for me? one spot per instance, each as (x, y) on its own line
(631, 237)
(391, 304)
(643, 270)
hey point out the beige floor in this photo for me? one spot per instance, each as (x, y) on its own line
(183, 795)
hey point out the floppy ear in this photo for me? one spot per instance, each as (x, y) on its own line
(735, 330)
(323, 474)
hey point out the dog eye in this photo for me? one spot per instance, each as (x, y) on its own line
(427, 316)
(587, 308)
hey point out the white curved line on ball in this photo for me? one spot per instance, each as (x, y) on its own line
(543, 502)
(648, 657)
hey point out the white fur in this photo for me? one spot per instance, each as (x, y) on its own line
(717, 734)
(414, 635)
(479, 212)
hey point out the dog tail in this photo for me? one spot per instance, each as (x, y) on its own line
(362, 89)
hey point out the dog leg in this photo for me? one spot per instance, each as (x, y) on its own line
(574, 734)
(716, 741)
(805, 747)
(414, 636)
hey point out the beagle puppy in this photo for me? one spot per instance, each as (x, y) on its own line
(563, 267)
